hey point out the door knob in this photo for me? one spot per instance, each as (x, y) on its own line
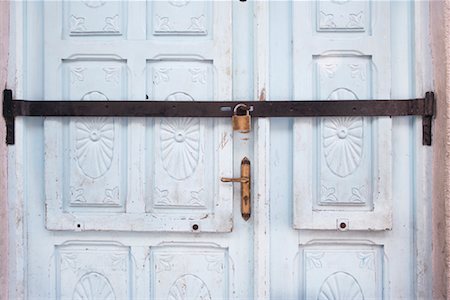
(245, 181)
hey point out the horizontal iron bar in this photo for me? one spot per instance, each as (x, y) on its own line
(221, 108)
(420, 107)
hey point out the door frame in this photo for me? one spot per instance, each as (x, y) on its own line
(423, 76)
(4, 38)
(20, 19)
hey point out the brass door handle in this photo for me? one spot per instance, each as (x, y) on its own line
(240, 179)
(245, 181)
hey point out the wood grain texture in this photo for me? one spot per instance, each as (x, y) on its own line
(4, 51)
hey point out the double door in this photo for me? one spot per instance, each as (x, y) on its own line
(131, 208)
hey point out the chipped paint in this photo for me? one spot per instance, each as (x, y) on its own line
(262, 95)
(224, 140)
(4, 53)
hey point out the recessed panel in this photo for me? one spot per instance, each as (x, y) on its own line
(333, 271)
(189, 272)
(94, 18)
(95, 146)
(93, 271)
(180, 164)
(343, 16)
(180, 17)
(343, 144)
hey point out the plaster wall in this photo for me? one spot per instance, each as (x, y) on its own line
(440, 42)
(4, 43)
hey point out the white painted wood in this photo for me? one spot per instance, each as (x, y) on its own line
(170, 261)
(423, 156)
(121, 259)
(17, 273)
(367, 263)
(261, 214)
(86, 161)
(342, 166)
(374, 259)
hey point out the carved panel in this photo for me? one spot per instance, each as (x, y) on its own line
(181, 18)
(342, 166)
(344, 16)
(182, 159)
(188, 271)
(344, 150)
(93, 286)
(340, 285)
(180, 146)
(87, 270)
(94, 18)
(119, 174)
(341, 271)
(342, 142)
(94, 144)
(189, 287)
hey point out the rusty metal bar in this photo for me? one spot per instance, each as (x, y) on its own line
(310, 108)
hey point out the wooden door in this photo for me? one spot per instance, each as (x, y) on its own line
(342, 200)
(134, 208)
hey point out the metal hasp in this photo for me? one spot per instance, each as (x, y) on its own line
(9, 116)
(245, 181)
(427, 118)
(215, 109)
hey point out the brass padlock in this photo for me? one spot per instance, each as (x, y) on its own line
(241, 123)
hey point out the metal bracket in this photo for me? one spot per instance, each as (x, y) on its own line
(9, 116)
(219, 109)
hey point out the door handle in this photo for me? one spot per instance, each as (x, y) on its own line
(245, 181)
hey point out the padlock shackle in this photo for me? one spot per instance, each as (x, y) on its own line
(241, 106)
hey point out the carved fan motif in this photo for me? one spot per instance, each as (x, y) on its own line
(93, 286)
(340, 286)
(189, 287)
(343, 139)
(94, 141)
(180, 142)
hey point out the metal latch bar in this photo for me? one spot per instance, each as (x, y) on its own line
(122, 108)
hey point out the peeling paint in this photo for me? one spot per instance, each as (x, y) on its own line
(223, 140)
(262, 95)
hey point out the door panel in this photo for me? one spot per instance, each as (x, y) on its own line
(180, 18)
(323, 274)
(133, 208)
(94, 19)
(319, 259)
(75, 258)
(142, 214)
(170, 261)
(91, 184)
(342, 165)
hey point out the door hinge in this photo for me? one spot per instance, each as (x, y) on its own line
(424, 107)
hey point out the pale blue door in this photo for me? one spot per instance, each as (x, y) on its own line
(342, 207)
(133, 208)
